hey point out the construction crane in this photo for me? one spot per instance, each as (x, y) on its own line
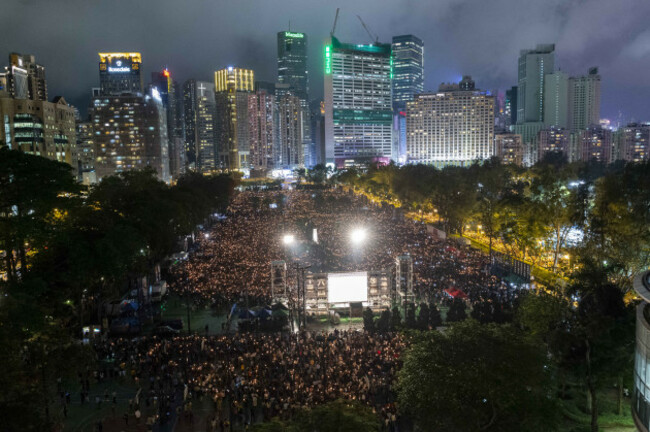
(336, 18)
(373, 38)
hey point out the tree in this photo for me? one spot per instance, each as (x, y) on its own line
(482, 312)
(409, 319)
(35, 194)
(368, 323)
(435, 319)
(423, 317)
(476, 378)
(384, 322)
(457, 311)
(395, 319)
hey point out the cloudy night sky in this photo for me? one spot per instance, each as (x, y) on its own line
(193, 38)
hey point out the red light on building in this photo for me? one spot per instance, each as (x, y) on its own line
(166, 73)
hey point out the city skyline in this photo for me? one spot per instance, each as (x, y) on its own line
(488, 52)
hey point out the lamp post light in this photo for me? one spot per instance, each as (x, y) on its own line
(288, 239)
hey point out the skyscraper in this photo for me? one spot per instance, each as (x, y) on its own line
(292, 70)
(556, 104)
(261, 121)
(451, 127)
(408, 69)
(200, 112)
(584, 100)
(290, 148)
(533, 65)
(120, 73)
(86, 152)
(292, 62)
(597, 145)
(130, 133)
(408, 80)
(168, 89)
(232, 86)
(358, 111)
(509, 148)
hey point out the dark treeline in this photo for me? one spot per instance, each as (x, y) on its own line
(533, 214)
(65, 250)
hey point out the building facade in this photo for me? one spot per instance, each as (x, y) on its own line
(39, 128)
(556, 102)
(290, 152)
(408, 80)
(635, 142)
(262, 128)
(596, 145)
(292, 62)
(358, 111)
(130, 133)
(233, 86)
(450, 127)
(168, 89)
(509, 148)
(584, 100)
(120, 73)
(24, 78)
(533, 66)
(86, 152)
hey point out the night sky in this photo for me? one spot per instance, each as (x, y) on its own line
(193, 38)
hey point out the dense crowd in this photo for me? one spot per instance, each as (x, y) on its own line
(234, 260)
(255, 377)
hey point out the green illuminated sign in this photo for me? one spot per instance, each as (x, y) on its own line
(328, 60)
(294, 35)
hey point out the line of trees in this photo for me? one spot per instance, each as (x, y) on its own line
(66, 250)
(529, 213)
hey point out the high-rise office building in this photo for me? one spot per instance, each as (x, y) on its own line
(408, 69)
(233, 86)
(408, 80)
(120, 73)
(556, 103)
(635, 146)
(24, 78)
(509, 148)
(533, 65)
(584, 100)
(292, 70)
(262, 129)
(130, 133)
(452, 127)
(168, 89)
(199, 116)
(358, 111)
(292, 62)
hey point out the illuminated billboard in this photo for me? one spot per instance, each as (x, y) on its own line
(119, 63)
(347, 287)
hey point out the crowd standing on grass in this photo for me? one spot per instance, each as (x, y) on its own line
(234, 260)
(252, 377)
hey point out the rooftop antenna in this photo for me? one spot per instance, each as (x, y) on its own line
(374, 38)
(289, 25)
(336, 18)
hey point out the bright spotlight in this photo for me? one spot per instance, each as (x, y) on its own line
(206, 235)
(288, 239)
(358, 235)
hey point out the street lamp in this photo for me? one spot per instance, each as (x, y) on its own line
(358, 235)
(288, 239)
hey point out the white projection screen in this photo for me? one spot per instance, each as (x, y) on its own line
(347, 287)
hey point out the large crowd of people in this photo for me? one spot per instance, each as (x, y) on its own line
(255, 376)
(235, 257)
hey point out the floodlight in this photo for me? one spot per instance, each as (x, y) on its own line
(288, 239)
(358, 235)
